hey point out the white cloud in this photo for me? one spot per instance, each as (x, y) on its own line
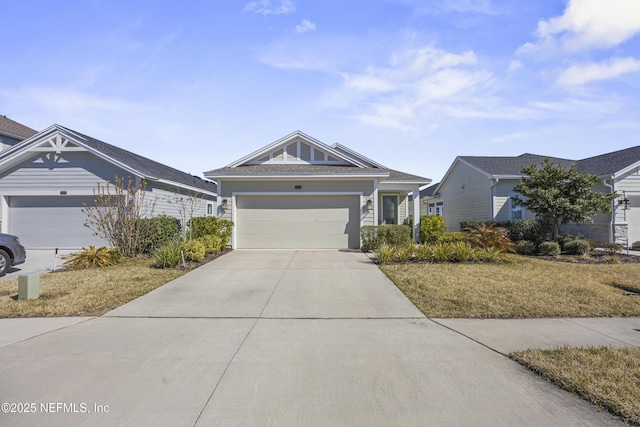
(265, 7)
(305, 26)
(587, 24)
(580, 74)
(459, 6)
(514, 66)
(416, 83)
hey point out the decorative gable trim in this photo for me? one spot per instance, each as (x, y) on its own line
(292, 149)
(357, 156)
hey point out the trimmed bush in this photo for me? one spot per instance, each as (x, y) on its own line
(576, 247)
(212, 244)
(194, 250)
(210, 225)
(525, 247)
(370, 240)
(168, 256)
(159, 230)
(549, 249)
(526, 229)
(394, 235)
(431, 227)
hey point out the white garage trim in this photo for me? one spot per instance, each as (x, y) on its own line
(234, 206)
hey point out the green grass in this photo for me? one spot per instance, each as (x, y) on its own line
(90, 292)
(523, 288)
(609, 378)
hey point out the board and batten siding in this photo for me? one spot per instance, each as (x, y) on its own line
(74, 172)
(467, 196)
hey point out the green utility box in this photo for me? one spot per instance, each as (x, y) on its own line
(29, 286)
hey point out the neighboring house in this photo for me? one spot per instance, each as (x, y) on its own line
(301, 193)
(46, 179)
(12, 132)
(429, 204)
(481, 188)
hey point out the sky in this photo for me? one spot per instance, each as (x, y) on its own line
(410, 84)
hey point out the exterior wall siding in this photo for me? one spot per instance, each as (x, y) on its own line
(467, 196)
(329, 186)
(176, 204)
(77, 172)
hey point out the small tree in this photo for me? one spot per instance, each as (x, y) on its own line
(117, 213)
(186, 204)
(561, 195)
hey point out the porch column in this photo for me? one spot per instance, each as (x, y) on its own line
(416, 214)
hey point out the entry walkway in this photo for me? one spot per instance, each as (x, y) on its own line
(282, 338)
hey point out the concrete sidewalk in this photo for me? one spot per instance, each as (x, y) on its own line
(284, 338)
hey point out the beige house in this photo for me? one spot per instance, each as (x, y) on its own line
(301, 193)
(480, 189)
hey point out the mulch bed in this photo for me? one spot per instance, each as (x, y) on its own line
(595, 257)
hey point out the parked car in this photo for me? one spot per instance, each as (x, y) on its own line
(11, 252)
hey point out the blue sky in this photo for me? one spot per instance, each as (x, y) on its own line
(408, 83)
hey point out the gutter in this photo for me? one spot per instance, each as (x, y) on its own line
(493, 196)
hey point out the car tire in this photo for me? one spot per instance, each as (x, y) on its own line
(5, 262)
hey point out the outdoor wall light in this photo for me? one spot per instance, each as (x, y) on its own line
(225, 204)
(369, 204)
(624, 202)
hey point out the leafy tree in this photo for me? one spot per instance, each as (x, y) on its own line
(561, 195)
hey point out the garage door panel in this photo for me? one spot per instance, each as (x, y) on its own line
(633, 219)
(313, 222)
(48, 222)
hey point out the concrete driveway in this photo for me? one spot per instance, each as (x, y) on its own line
(282, 338)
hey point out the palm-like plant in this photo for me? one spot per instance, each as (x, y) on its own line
(92, 257)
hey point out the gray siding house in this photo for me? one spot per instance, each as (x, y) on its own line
(480, 189)
(301, 193)
(46, 180)
(12, 132)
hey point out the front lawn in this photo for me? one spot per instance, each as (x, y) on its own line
(90, 292)
(523, 288)
(607, 377)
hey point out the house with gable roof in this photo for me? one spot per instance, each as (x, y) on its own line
(47, 178)
(477, 188)
(12, 132)
(299, 192)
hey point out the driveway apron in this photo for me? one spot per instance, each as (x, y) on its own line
(282, 338)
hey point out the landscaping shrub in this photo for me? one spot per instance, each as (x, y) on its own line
(442, 251)
(168, 256)
(431, 227)
(404, 253)
(210, 225)
(453, 237)
(525, 247)
(491, 236)
(576, 247)
(212, 244)
(161, 230)
(93, 257)
(385, 253)
(424, 253)
(549, 248)
(370, 240)
(489, 255)
(526, 229)
(395, 235)
(462, 252)
(611, 248)
(193, 250)
(612, 259)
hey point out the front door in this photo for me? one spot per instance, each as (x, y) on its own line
(389, 209)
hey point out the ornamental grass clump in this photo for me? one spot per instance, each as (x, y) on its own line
(93, 257)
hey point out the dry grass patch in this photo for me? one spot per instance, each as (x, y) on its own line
(523, 288)
(90, 292)
(606, 377)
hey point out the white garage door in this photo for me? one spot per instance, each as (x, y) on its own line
(51, 222)
(633, 219)
(298, 222)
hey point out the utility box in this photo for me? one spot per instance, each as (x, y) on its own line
(29, 286)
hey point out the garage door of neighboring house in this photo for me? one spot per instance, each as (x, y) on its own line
(47, 222)
(298, 222)
(633, 219)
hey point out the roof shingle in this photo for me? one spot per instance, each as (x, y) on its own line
(13, 128)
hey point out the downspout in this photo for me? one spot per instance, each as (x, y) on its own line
(493, 197)
(613, 206)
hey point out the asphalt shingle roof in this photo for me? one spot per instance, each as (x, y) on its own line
(304, 169)
(148, 167)
(11, 127)
(610, 163)
(511, 165)
(429, 191)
